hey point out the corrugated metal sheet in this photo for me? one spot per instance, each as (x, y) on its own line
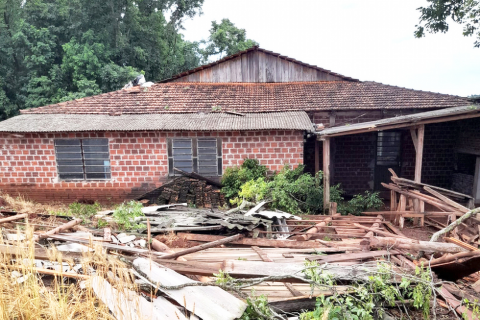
(208, 302)
(297, 120)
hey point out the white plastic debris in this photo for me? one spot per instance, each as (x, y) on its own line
(73, 247)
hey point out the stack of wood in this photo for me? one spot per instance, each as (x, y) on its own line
(431, 205)
(195, 192)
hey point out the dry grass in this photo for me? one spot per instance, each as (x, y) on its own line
(22, 205)
(56, 297)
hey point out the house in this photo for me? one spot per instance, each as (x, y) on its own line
(253, 104)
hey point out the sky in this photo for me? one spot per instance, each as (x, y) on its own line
(370, 40)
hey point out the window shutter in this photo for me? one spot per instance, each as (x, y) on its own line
(219, 157)
(170, 156)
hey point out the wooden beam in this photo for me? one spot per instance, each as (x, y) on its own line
(317, 156)
(419, 153)
(326, 174)
(413, 133)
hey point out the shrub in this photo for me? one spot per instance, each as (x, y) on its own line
(125, 213)
(361, 203)
(83, 211)
(289, 190)
(235, 177)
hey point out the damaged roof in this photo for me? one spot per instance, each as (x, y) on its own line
(191, 97)
(214, 121)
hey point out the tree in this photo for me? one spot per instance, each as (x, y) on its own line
(434, 18)
(226, 39)
(57, 50)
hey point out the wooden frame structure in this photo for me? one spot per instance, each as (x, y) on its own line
(415, 122)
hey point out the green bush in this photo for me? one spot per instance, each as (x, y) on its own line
(83, 211)
(290, 190)
(126, 212)
(361, 203)
(235, 177)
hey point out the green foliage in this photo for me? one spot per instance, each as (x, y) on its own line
(102, 223)
(257, 308)
(83, 211)
(367, 300)
(226, 39)
(235, 177)
(434, 18)
(289, 190)
(222, 278)
(126, 212)
(360, 203)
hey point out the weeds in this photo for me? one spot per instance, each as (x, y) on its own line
(83, 211)
(125, 213)
(25, 293)
(368, 299)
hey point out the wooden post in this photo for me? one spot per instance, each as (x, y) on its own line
(418, 140)
(326, 174)
(317, 156)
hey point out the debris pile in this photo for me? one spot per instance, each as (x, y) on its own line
(251, 262)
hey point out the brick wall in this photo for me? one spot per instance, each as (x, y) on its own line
(138, 161)
(353, 162)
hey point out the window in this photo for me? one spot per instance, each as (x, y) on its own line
(82, 159)
(388, 148)
(202, 156)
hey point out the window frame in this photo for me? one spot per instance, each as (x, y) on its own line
(196, 162)
(107, 169)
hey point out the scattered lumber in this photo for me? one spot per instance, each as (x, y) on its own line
(13, 218)
(201, 247)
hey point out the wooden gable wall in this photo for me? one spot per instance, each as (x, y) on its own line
(258, 66)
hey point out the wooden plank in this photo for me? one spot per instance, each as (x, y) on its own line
(446, 199)
(13, 218)
(202, 247)
(262, 254)
(461, 244)
(294, 291)
(326, 174)
(352, 256)
(253, 242)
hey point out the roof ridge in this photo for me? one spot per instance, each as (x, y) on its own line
(417, 90)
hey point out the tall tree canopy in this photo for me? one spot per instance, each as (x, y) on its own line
(226, 39)
(434, 18)
(57, 50)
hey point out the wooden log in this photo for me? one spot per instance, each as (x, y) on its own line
(201, 247)
(376, 225)
(58, 229)
(315, 229)
(159, 246)
(253, 242)
(417, 245)
(427, 213)
(454, 257)
(13, 218)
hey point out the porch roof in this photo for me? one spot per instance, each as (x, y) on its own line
(443, 115)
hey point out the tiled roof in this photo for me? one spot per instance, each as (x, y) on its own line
(177, 97)
(213, 121)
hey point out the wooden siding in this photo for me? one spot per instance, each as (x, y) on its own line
(258, 66)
